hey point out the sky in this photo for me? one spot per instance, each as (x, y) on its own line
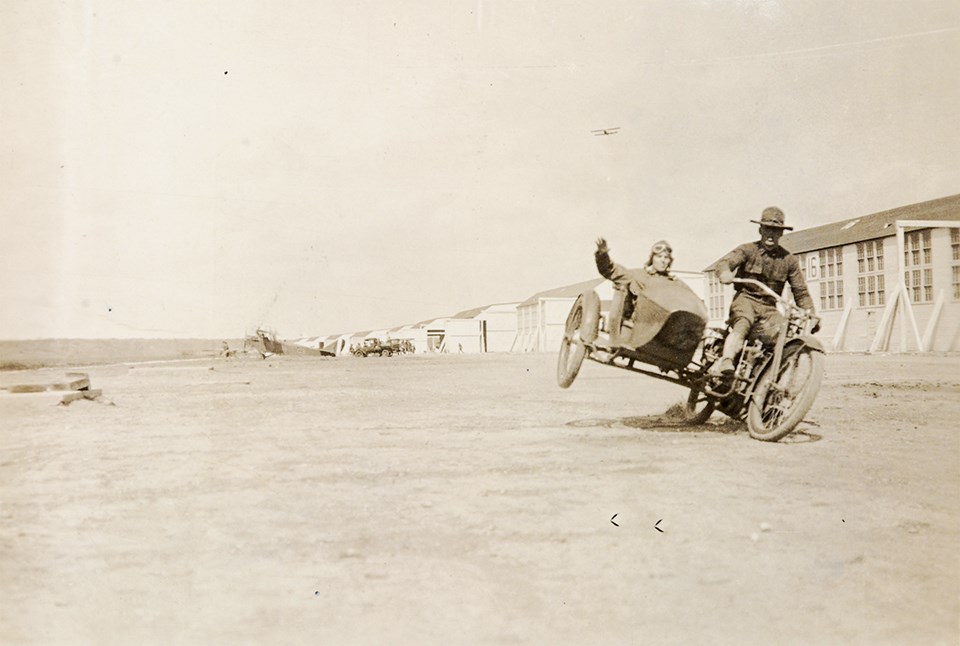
(195, 170)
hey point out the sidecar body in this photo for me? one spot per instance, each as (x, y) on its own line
(662, 325)
(654, 325)
(651, 319)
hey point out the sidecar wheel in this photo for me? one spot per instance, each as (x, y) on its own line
(590, 322)
(779, 404)
(572, 350)
(698, 407)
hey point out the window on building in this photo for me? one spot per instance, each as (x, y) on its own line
(918, 260)
(831, 278)
(955, 245)
(715, 297)
(870, 273)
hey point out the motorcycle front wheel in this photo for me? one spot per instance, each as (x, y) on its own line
(779, 402)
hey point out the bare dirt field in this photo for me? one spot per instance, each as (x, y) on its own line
(469, 500)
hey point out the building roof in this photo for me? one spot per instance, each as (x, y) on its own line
(474, 311)
(567, 291)
(866, 227)
(469, 314)
(869, 227)
(425, 322)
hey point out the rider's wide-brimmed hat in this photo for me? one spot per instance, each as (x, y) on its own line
(772, 217)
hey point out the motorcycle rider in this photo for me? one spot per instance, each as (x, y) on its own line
(766, 261)
(658, 264)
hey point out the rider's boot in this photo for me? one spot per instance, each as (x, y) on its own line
(731, 346)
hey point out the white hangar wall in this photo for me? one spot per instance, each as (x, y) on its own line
(541, 319)
(932, 291)
(463, 335)
(501, 326)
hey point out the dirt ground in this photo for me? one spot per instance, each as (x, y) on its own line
(469, 500)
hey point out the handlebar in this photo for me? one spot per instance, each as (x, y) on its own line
(780, 299)
(763, 288)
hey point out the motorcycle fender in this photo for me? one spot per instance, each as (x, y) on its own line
(808, 341)
(793, 345)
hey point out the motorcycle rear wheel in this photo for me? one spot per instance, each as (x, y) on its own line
(698, 407)
(779, 404)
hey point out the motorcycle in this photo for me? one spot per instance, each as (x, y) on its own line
(775, 380)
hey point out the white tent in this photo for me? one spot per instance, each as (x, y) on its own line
(312, 342)
(337, 344)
